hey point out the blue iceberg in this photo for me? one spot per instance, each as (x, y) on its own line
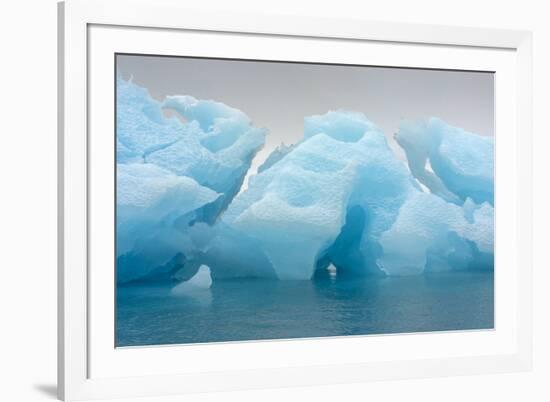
(337, 202)
(462, 162)
(173, 173)
(325, 201)
(430, 234)
(339, 198)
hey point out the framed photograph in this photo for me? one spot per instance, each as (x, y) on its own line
(253, 201)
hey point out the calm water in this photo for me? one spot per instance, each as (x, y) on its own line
(249, 309)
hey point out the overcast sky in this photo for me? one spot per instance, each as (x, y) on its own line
(277, 95)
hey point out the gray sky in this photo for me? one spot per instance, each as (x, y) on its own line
(278, 95)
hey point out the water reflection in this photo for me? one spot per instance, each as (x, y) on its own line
(253, 309)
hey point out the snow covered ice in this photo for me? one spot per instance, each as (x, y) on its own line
(338, 200)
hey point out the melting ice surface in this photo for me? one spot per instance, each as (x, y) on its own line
(338, 198)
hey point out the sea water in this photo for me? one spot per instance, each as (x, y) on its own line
(254, 309)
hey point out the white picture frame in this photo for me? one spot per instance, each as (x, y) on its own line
(90, 32)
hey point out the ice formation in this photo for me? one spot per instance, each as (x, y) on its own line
(172, 175)
(433, 235)
(197, 288)
(462, 162)
(198, 282)
(312, 206)
(338, 201)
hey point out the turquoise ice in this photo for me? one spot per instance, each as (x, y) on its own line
(462, 162)
(341, 197)
(338, 198)
(173, 173)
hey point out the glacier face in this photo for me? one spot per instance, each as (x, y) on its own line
(337, 200)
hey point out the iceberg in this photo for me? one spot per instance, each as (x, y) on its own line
(314, 204)
(197, 288)
(340, 199)
(174, 173)
(337, 202)
(150, 203)
(199, 282)
(462, 162)
(430, 234)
